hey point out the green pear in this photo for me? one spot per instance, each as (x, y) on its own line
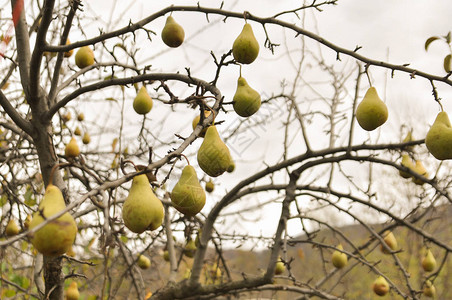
(390, 241)
(72, 292)
(245, 48)
(84, 57)
(380, 286)
(280, 267)
(142, 103)
(166, 255)
(429, 262)
(213, 156)
(172, 34)
(196, 121)
(209, 186)
(188, 196)
(57, 236)
(72, 150)
(143, 262)
(420, 169)
(429, 289)
(406, 162)
(339, 259)
(142, 209)
(190, 248)
(246, 101)
(12, 228)
(439, 137)
(372, 111)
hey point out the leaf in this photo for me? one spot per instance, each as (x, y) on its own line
(113, 144)
(448, 63)
(448, 38)
(429, 41)
(110, 99)
(29, 199)
(3, 200)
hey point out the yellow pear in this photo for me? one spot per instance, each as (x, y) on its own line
(339, 259)
(57, 236)
(86, 138)
(172, 34)
(420, 169)
(72, 150)
(245, 48)
(142, 209)
(390, 241)
(380, 286)
(12, 228)
(188, 196)
(429, 262)
(209, 186)
(27, 222)
(143, 262)
(77, 131)
(439, 137)
(213, 156)
(408, 138)
(72, 292)
(81, 117)
(246, 101)
(166, 255)
(406, 162)
(280, 267)
(196, 121)
(70, 52)
(84, 57)
(190, 248)
(142, 104)
(372, 111)
(429, 289)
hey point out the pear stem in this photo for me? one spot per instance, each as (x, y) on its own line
(440, 105)
(368, 77)
(128, 161)
(186, 158)
(56, 166)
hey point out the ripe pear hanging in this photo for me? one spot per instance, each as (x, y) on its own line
(372, 111)
(380, 286)
(406, 162)
(188, 196)
(172, 34)
(143, 262)
(214, 157)
(339, 259)
(57, 236)
(72, 150)
(429, 289)
(72, 292)
(142, 210)
(280, 267)
(84, 57)
(12, 228)
(245, 48)
(429, 262)
(390, 241)
(190, 248)
(420, 169)
(246, 100)
(439, 137)
(142, 104)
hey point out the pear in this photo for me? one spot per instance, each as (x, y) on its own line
(142, 103)
(70, 52)
(188, 196)
(339, 259)
(420, 169)
(84, 57)
(246, 101)
(408, 138)
(190, 248)
(429, 289)
(429, 262)
(406, 162)
(209, 186)
(81, 117)
(142, 209)
(72, 292)
(439, 137)
(172, 34)
(143, 262)
(372, 111)
(245, 48)
(86, 138)
(72, 150)
(12, 228)
(380, 286)
(77, 131)
(57, 236)
(166, 255)
(390, 241)
(27, 222)
(213, 156)
(196, 121)
(280, 267)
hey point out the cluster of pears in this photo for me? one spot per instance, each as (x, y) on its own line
(57, 236)
(142, 104)
(188, 196)
(428, 263)
(439, 137)
(86, 139)
(339, 259)
(371, 112)
(213, 156)
(84, 57)
(414, 165)
(172, 33)
(142, 210)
